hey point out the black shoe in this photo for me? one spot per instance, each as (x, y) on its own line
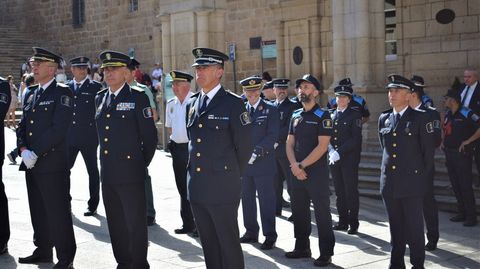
(290, 218)
(3, 249)
(458, 218)
(340, 227)
(90, 213)
(353, 230)
(268, 244)
(323, 261)
(430, 246)
(183, 230)
(150, 221)
(63, 265)
(285, 204)
(470, 223)
(296, 254)
(248, 239)
(36, 258)
(11, 159)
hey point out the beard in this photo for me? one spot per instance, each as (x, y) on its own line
(305, 98)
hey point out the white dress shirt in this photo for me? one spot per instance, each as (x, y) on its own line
(175, 117)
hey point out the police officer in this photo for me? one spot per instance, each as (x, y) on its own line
(268, 91)
(285, 108)
(307, 143)
(344, 156)
(82, 134)
(41, 139)
(220, 146)
(261, 169)
(5, 99)
(130, 77)
(430, 210)
(175, 115)
(406, 137)
(419, 87)
(357, 103)
(124, 114)
(460, 130)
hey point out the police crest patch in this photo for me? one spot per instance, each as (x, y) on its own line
(147, 112)
(327, 124)
(429, 127)
(3, 98)
(245, 118)
(66, 100)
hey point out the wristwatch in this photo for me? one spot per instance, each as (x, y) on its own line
(300, 166)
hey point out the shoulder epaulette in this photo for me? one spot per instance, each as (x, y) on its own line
(138, 89)
(358, 99)
(195, 94)
(102, 90)
(420, 110)
(32, 86)
(2, 79)
(170, 100)
(233, 94)
(319, 112)
(297, 112)
(62, 85)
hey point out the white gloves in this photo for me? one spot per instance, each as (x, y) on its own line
(275, 145)
(29, 158)
(253, 158)
(333, 156)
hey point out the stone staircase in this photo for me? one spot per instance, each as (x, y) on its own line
(369, 176)
(15, 48)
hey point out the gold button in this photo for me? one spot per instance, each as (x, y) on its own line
(75, 105)
(30, 134)
(198, 169)
(46, 109)
(75, 97)
(335, 138)
(128, 157)
(394, 134)
(73, 113)
(33, 110)
(105, 139)
(31, 121)
(73, 122)
(198, 154)
(394, 145)
(108, 115)
(410, 134)
(226, 167)
(107, 127)
(105, 151)
(336, 146)
(336, 131)
(86, 101)
(416, 171)
(336, 123)
(199, 140)
(394, 156)
(216, 127)
(123, 116)
(200, 125)
(394, 167)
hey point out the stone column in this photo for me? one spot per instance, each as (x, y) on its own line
(202, 28)
(166, 42)
(338, 40)
(281, 50)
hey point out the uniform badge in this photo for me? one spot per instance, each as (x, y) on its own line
(387, 123)
(30, 98)
(436, 124)
(251, 82)
(260, 108)
(327, 124)
(108, 56)
(245, 118)
(66, 100)
(429, 127)
(3, 98)
(147, 112)
(199, 53)
(190, 113)
(125, 106)
(281, 115)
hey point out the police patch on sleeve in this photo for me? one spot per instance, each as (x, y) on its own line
(436, 124)
(327, 124)
(66, 100)
(3, 98)
(429, 127)
(245, 118)
(147, 112)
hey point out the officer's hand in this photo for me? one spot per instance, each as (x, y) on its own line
(462, 146)
(29, 158)
(275, 146)
(302, 176)
(333, 156)
(252, 158)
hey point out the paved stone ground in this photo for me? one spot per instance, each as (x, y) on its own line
(459, 247)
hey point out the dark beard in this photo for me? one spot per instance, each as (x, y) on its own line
(305, 98)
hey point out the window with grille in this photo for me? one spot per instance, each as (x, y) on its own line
(133, 6)
(390, 30)
(78, 12)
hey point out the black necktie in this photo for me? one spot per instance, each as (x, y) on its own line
(339, 113)
(77, 86)
(38, 92)
(465, 97)
(397, 119)
(252, 110)
(110, 99)
(204, 104)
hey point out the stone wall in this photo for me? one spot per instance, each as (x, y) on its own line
(438, 52)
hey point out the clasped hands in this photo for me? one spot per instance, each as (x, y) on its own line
(29, 158)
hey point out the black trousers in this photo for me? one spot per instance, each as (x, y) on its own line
(180, 159)
(476, 156)
(89, 155)
(345, 178)
(405, 217)
(127, 223)
(283, 173)
(4, 220)
(218, 229)
(50, 213)
(430, 211)
(301, 197)
(459, 166)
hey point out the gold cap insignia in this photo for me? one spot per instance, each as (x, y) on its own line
(82, 60)
(199, 52)
(251, 82)
(173, 75)
(108, 56)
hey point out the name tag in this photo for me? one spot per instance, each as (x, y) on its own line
(213, 117)
(125, 106)
(85, 93)
(45, 103)
(261, 117)
(311, 122)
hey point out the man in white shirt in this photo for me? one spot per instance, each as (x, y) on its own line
(176, 111)
(157, 74)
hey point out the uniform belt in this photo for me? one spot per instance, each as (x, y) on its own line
(173, 143)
